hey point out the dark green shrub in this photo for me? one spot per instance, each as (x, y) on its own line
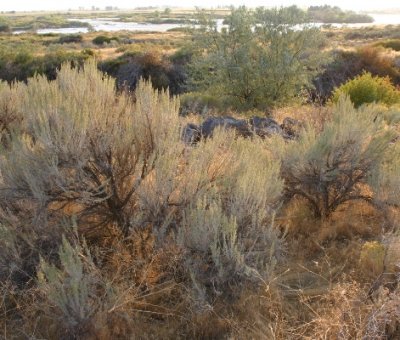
(132, 66)
(393, 44)
(23, 64)
(4, 28)
(103, 39)
(182, 56)
(368, 89)
(71, 38)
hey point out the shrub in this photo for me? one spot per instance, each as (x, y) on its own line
(372, 259)
(22, 65)
(103, 39)
(368, 89)
(346, 65)
(198, 218)
(260, 60)
(72, 289)
(334, 166)
(218, 227)
(130, 67)
(393, 44)
(69, 39)
(386, 179)
(123, 150)
(10, 115)
(198, 103)
(5, 28)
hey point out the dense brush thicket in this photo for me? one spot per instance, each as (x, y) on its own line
(112, 227)
(77, 151)
(22, 64)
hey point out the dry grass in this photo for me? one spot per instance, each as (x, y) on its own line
(315, 115)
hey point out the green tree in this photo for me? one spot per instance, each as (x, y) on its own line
(258, 59)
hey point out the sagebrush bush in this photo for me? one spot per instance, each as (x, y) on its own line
(71, 290)
(220, 225)
(86, 147)
(366, 88)
(386, 179)
(116, 163)
(10, 114)
(334, 166)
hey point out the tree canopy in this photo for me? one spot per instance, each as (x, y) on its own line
(258, 59)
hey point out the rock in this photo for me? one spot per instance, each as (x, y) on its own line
(239, 125)
(265, 127)
(292, 127)
(191, 134)
(260, 126)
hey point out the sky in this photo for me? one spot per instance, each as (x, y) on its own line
(32, 5)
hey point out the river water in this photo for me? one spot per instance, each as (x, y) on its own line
(112, 25)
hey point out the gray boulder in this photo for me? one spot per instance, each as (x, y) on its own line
(265, 127)
(239, 125)
(191, 134)
(260, 126)
(292, 127)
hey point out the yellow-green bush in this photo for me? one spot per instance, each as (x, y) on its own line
(372, 258)
(366, 89)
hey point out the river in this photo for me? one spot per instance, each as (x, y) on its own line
(113, 25)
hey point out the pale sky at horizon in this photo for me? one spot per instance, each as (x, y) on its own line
(29, 5)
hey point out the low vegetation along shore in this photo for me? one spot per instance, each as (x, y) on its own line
(234, 183)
